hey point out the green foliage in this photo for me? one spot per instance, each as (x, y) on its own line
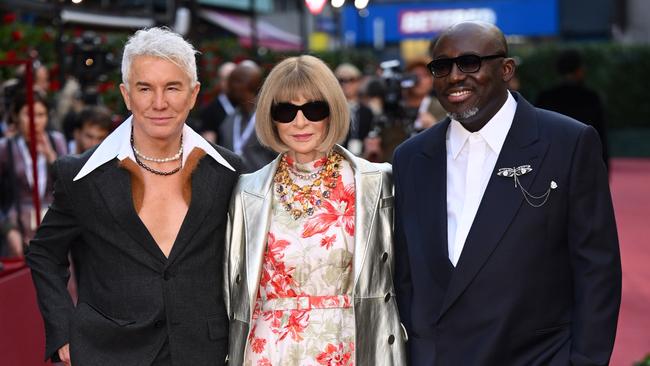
(644, 362)
(617, 72)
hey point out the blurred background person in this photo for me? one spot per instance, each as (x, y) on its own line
(92, 126)
(17, 216)
(215, 112)
(420, 103)
(373, 95)
(573, 98)
(361, 116)
(237, 132)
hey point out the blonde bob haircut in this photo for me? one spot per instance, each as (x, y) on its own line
(310, 78)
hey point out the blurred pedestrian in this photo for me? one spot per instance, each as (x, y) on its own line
(237, 132)
(213, 114)
(420, 102)
(18, 215)
(573, 98)
(350, 79)
(93, 125)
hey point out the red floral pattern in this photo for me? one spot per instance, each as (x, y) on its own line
(339, 355)
(303, 314)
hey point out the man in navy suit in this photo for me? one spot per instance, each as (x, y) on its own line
(506, 245)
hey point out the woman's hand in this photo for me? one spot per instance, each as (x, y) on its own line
(44, 147)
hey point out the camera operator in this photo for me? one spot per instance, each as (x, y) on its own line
(409, 107)
(420, 103)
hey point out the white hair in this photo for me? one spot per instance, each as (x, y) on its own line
(163, 43)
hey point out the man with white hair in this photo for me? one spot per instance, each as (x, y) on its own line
(143, 216)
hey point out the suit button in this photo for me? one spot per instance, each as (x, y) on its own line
(384, 257)
(238, 279)
(159, 324)
(387, 297)
(391, 339)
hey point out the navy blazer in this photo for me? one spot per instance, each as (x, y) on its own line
(132, 298)
(533, 286)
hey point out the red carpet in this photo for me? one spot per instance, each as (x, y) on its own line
(630, 184)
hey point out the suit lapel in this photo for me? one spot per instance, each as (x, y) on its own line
(368, 181)
(501, 199)
(206, 191)
(114, 184)
(430, 180)
(256, 203)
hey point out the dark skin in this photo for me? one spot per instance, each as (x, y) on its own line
(243, 84)
(473, 98)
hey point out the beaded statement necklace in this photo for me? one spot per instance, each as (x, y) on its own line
(138, 156)
(302, 200)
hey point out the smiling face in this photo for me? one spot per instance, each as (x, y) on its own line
(302, 136)
(473, 98)
(160, 96)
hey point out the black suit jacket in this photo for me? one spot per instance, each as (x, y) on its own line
(212, 115)
(533, 286)
(131, 298)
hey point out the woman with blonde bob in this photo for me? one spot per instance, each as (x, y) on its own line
(310, 260)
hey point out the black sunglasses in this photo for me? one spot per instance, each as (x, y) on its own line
(313, 111)
(466, 63)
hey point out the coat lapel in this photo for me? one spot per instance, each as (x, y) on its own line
(368, 181)
(501, 199)
(431, 181)
(114, 184)
(256, 203)
(207, 190)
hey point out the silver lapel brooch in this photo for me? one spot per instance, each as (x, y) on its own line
(514, 173)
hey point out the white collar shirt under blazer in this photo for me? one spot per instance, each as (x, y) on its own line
(118, 145)
(468, 174)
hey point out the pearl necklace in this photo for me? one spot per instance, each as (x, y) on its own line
(137, 156)
(159, 160)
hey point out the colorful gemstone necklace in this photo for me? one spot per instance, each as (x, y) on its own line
(303, 200)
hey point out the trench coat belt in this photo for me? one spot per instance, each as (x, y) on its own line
(306, 302)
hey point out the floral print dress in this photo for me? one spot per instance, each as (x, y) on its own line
(303, 314)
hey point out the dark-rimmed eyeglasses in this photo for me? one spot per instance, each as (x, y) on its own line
(313, 111)
(465, 63)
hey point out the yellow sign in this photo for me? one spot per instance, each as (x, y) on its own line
(319, 41)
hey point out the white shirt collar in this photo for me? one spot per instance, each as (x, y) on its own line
(494, 132)
(118, 145)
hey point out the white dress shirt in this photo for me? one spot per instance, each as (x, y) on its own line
(118, 145)
(471, 158)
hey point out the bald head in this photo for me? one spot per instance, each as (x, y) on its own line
(487, 32)
(473, 72)
(244, 83)
(224, 73)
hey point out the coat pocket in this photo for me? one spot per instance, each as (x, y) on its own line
(549, 330)
(92, 311)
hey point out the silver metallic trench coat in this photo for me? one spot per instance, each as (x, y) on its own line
(380, 338)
